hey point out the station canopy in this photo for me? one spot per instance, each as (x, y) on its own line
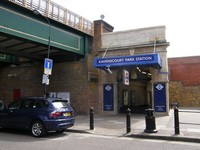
(147, 60)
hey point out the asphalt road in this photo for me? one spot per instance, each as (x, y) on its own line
(20, 140)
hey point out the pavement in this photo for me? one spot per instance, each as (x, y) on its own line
(115, 125)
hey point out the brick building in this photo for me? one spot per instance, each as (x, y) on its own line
(92, 65)
(86, 84)
(184, 84)
(131, 51)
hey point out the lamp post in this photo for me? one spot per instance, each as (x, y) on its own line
(46, 76)
(37, 12)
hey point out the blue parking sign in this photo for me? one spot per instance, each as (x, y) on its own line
(48, 63)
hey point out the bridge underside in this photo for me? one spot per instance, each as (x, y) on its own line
(11, 45)
(24, 34)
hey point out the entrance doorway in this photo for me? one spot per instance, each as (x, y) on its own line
(136, 95)
(128, 99)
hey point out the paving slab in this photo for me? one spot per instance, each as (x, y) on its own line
(115, 125)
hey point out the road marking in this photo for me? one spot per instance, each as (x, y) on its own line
(193, 130)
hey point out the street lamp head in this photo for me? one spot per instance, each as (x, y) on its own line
(37, 12)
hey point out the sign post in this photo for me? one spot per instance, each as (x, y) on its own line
(48, 64)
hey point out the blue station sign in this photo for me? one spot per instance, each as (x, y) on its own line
(108, 97)
(135, 60)
(160, 97)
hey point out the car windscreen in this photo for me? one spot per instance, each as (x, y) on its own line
(61, 104)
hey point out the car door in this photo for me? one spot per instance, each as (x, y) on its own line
(7, 116)
(4, 115)
(23, 115)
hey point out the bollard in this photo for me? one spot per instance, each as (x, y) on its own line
(150, 121)
(176, 121)
(128, 120)
(91, 118)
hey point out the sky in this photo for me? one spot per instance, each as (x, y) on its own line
(180, 17)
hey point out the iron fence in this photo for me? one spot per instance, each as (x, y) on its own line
(58, 13)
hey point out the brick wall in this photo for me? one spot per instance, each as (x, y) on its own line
(186, 96)
(66, 77)
(73, 77)
(184, 84)
(185, 69)
(100, 27)
(27, 78)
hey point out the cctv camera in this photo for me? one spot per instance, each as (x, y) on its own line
(108, 70)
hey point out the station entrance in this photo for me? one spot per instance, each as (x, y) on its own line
(132, 82)
(137, 95)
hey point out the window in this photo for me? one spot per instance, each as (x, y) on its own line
(15, 105)
(1, 105)
(60, 104)
(28, 104)
(40, 104)
(125, 97)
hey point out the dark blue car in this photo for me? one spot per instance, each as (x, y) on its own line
(39, 115)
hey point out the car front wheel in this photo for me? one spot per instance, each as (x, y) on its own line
(38, 129)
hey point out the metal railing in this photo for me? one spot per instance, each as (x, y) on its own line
(177, 121)
(56, 12)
